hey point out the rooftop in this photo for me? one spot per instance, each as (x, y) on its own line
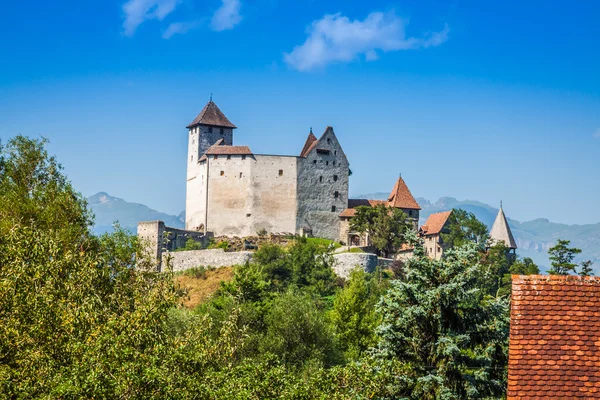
(213, 116)
(554, 349)
(435, 223)
(501, 232)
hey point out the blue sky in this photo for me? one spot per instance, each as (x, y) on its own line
(476, 100)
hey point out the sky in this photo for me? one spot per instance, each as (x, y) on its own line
(476, 100)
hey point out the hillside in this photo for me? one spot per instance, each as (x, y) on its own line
(534, 238)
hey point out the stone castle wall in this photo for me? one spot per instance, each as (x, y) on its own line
(320, 175)
(182, 260)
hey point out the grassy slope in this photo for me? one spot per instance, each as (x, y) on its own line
(200, 288)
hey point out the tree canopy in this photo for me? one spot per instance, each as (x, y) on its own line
(561, 258)
(386, 226)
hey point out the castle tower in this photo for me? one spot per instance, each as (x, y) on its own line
(501, 232)
(209, 127)
(206, 129)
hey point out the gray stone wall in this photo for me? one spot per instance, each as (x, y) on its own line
(182, 260)
(346, 262)
(322, 174)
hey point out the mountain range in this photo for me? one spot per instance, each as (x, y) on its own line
(534, 237)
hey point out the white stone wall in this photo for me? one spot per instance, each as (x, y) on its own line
(320, 176)
(346, 262)
(251, 194)
(182, 260)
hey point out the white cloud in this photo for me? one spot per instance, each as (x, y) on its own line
(227, 16)
(138, 11)
(335, 38)
(179, 28)
(597, 133)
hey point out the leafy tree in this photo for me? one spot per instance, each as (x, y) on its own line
(524, 266)
(191, 244)
(464, 227)
(441, 321)
(385, 225)
(353, 316)
(561, 257)
(586, 268)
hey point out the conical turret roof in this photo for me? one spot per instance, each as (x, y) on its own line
(213, 116)
(501, 232)
(401, 196)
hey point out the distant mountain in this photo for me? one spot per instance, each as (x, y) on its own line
(534, 238)
(109, 209)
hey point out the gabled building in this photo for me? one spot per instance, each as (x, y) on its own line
(554, 347)
(400, 197)
(431, 232)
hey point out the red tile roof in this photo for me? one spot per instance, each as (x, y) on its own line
(401, 196)
(211, 115)
(435, 223)
(220, 148)
(310, 140)
(554, 349)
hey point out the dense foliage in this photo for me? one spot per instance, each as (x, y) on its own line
(386, 226)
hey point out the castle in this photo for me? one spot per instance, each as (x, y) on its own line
(232, 191)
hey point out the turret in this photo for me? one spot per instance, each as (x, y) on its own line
(501, 232)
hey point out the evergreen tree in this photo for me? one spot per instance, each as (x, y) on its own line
(561, 257)
(440, 321)
(586, 268)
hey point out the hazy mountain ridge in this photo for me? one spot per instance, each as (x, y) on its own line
(534, 237)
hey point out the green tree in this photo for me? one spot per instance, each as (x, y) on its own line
(586, 268)
(441, 321)
(386, 226)
(561, 257)
(464, 227)
(353, 316)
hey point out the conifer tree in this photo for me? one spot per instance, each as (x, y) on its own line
(562, 258)
(586, 268)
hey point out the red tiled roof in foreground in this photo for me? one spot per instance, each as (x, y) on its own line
(554, 350)
(435, 223)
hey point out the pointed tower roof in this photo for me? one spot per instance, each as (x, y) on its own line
(501, 232)
(401, 196)
(211, 115)
(309, 142)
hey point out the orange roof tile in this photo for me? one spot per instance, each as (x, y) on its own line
(554, 349)
(308, 145)
(435, 223)
(211, 115)
(401, 196)
(220, 148)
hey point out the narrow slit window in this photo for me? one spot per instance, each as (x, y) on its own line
(320, 179)
(335, 178)
(222, 173)
(332, 208)
(280, 172)
(326, 162)
(240, 175)
(192, 158)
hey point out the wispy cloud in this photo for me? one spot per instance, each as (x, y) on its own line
(138, 11)
(336, 38)
(597, 133)
(227, 16)
(179, 28)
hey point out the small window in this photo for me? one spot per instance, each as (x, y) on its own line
(314, 161)
(222, 132)
(335, 178)
(326, 162)
(280, 172)
(320, 179)
(193, 141)
(328, 141)
(243, 156)
(210, 129)
(335, 152)
(248, 215)
(222, 173)
(215, 157)
(192, 158)
(336, 194)
(333, 162)
(228, 156)
(240, 175)
(332, 208)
